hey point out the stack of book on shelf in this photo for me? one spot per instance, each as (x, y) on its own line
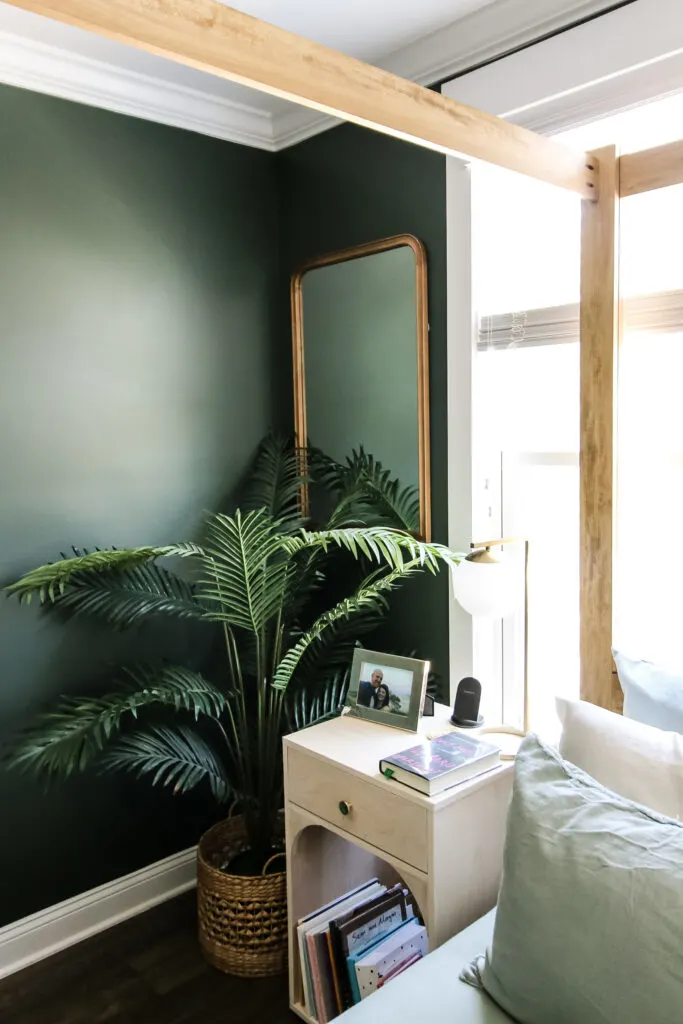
(355, 945)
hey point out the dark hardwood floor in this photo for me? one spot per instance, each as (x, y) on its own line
(145, 971)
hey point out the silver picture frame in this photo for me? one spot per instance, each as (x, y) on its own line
(404, 679)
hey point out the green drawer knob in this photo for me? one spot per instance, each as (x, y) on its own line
(344, 807)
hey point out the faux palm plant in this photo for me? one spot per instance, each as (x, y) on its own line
(259, 578)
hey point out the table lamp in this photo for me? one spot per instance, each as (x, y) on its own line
(485, 585)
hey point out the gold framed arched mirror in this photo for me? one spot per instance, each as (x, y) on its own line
(360, 336)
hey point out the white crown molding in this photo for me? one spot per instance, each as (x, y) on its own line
(481, 36)
(58, 72)
(51, 930)
(299, 124)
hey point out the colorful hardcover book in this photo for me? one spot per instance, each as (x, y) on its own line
(318, 998)
(399, 969)
(365, 929)
(317, 920)
(354, 958)
(359, 928)
(359, 891)
(325, 995)
(435, 765)
(382, 959)
(336, 980)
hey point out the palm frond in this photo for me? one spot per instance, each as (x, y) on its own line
(377, 544)
(245, 571)
(49, 581)
(129, 596)
(69, 738)
(333, 475)
(380, 501)
(310, 706)
(276, 478)
(332, 649)
(369, 597)
(365, 492)
(305, 579)
(177, 757)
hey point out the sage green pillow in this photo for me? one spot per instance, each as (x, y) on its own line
(589, 928)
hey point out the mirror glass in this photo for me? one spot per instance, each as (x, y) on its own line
(360, 354)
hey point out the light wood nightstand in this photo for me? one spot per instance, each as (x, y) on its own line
(345, 823)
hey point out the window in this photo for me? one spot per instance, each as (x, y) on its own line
(649, 562)
(526, 412)
(526, 430)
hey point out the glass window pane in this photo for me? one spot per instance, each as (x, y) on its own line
(528, 242)
(648, 601)
(526, 415)
(541, 502)
(649, 570)
(651, 252)
(526, 428)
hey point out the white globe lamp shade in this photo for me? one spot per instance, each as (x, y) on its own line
(486, 587)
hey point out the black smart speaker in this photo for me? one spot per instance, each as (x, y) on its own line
(466, 708)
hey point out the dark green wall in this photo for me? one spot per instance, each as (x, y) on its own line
(144, 350)
(138, 268)
(351, 185)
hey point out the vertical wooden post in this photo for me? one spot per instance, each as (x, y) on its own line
(599, 351)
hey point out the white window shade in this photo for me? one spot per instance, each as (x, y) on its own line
(660, 313)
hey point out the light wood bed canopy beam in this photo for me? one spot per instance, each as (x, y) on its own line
(620, 177)
(651, 169)
(600, 338)
(212, 37)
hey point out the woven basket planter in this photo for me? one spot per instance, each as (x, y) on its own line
(242, 918)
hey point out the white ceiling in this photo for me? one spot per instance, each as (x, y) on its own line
(426, 40)
(367, 29)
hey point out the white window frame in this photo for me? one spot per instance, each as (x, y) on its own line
(607, 65)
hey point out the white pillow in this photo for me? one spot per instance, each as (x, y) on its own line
(639, 762)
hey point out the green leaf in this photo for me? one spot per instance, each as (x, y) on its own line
(245, 570)
(332, 649)
(129, 596)
(366, 493)
(69, 738)
(369, 597)
(275, 482)
(400, 552)
(377, 543)
(49, 581)
(177, 757)
(312, 705)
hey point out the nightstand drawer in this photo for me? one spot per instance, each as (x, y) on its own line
(382, 818)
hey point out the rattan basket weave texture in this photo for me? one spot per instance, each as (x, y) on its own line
(242, 919)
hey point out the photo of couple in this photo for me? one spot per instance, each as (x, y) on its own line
(384, 689)
(387, 688)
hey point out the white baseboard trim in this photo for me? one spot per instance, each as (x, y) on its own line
(49, 931)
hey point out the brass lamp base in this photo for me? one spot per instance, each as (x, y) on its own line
(507, 737)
